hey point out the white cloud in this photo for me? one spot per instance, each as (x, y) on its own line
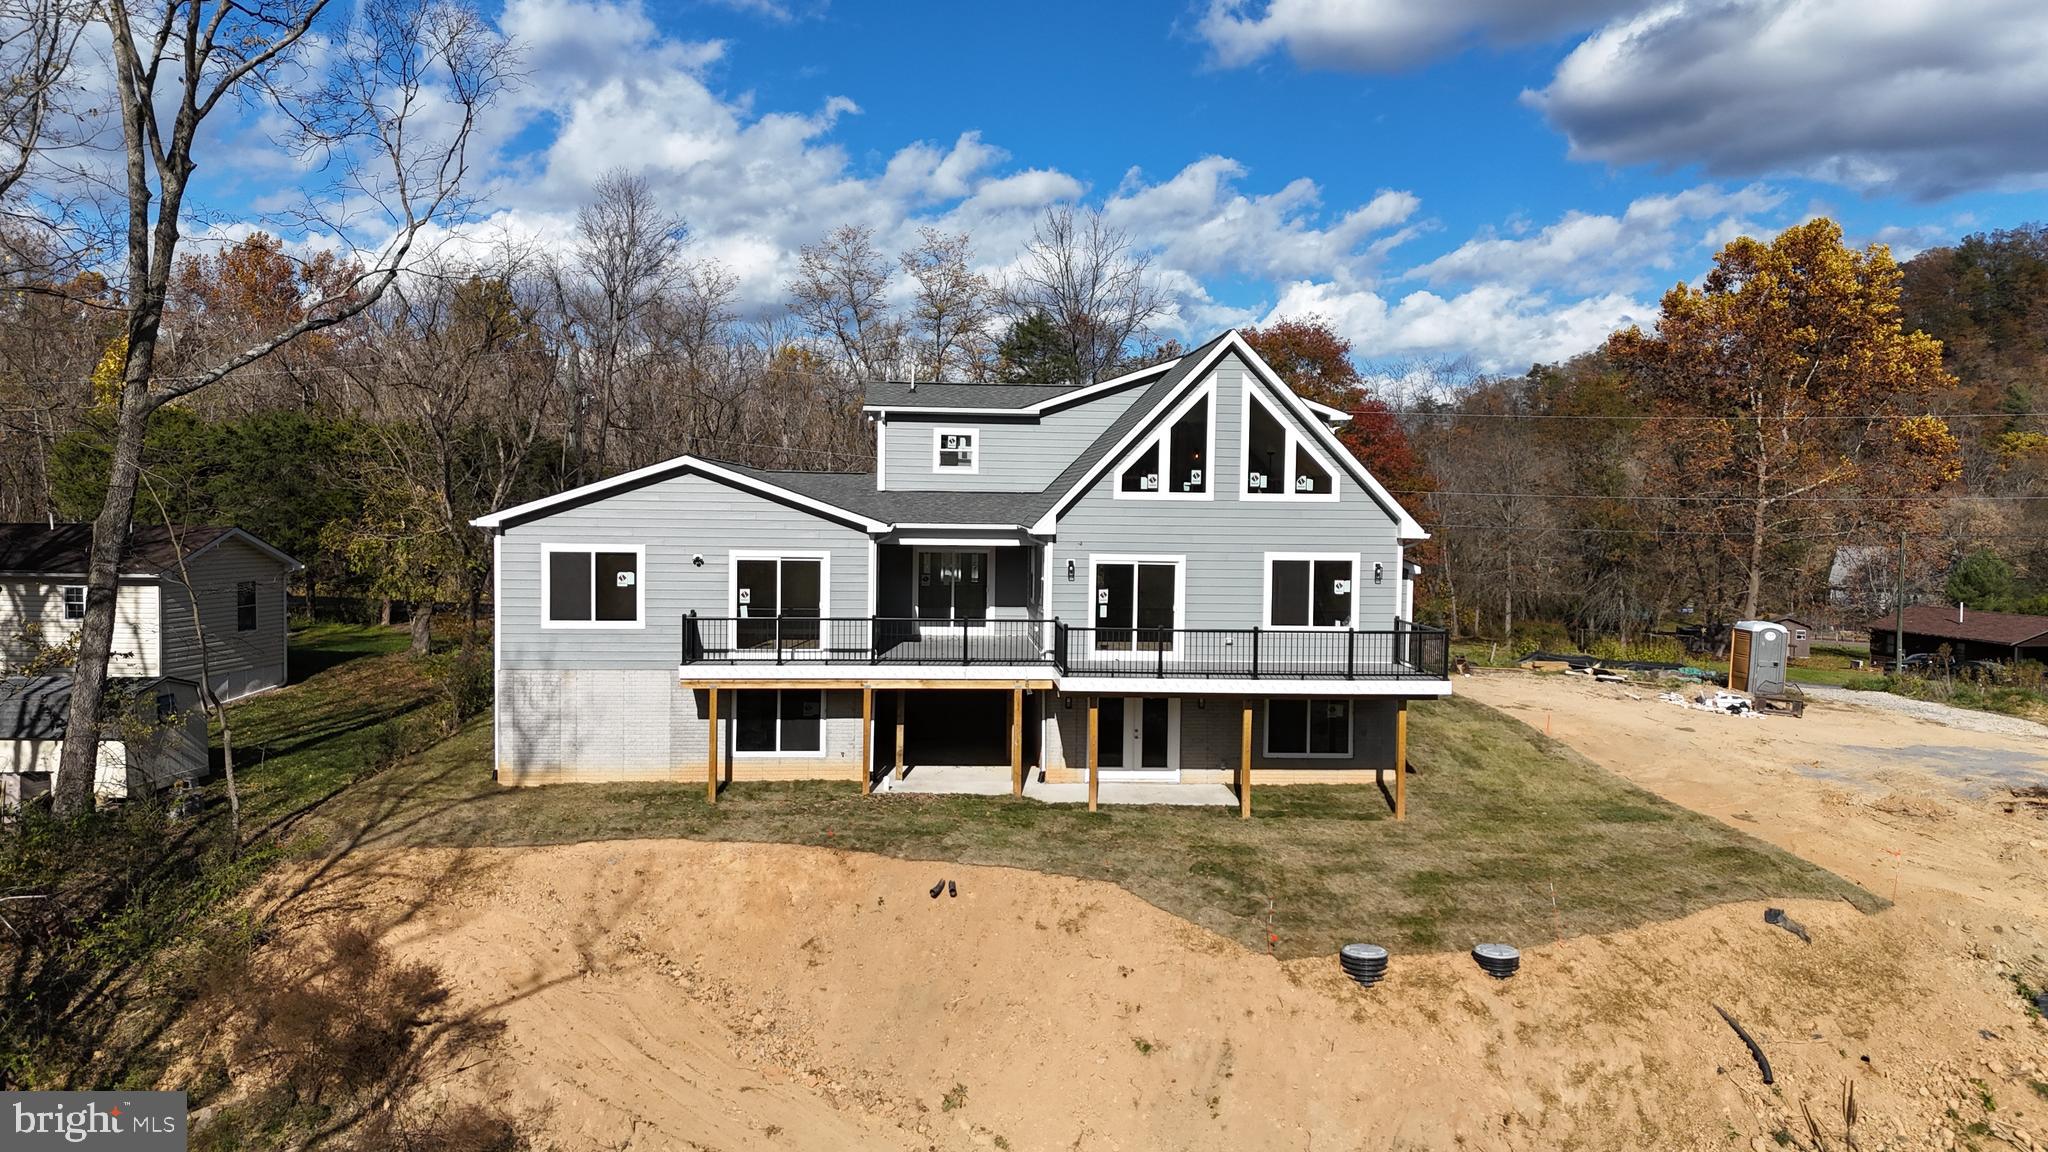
(1588, 251)
(1386, 35)
(1497, 327)
(1922, 97)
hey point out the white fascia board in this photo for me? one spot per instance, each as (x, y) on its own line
(677, 466)
(1329, 413)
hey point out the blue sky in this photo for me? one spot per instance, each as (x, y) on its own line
(1493, 180)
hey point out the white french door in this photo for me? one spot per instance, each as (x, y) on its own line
(1138, 737)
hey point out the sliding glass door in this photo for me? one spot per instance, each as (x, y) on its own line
(779, 599)
(1136, 605)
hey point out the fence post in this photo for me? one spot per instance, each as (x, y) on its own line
(1255, 653)
(778, 637)
(1159, 647)
(874, 640)
(963, 642)
(1350, 654)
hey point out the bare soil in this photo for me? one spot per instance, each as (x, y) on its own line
(676, 994)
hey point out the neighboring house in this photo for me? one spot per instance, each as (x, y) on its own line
(1798, 636)
(154, 734)
(1971, 635)
(1182, 560)
(239, 583)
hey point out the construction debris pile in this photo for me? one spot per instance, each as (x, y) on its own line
(1719, 700)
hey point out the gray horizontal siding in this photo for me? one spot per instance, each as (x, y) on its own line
(674, 520)
(1225, 539)
(1018, 454)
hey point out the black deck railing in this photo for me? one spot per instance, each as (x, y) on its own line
(1405, 652)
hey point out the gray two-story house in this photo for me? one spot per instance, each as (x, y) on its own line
(1178, 574)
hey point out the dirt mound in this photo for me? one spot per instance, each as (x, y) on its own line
(689, 995)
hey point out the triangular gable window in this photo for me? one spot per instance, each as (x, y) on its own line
(1175, 461)
(1278, 461)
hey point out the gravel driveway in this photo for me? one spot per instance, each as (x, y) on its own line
(1965, 718)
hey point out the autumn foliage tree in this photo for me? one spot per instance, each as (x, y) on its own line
(1785, 399)
(1312, 357)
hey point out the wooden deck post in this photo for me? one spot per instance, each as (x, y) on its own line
(900, 696)
(1244, 765)
(1017, 741)
(1401, 762)
(867, 739)
(1094, 768)
(711, 745)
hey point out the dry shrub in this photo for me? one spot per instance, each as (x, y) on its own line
(456, 1128)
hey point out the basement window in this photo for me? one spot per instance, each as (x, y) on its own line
(1308, 727)
(779, 722)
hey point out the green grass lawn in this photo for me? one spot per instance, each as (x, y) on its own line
(1510, 836)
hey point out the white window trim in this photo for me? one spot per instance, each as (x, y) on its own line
(64, 602)
(941, 430)
(639, 621)
(1296, 442)
(732, 578)
(1180, 604)
(256, 604)
(1350, 730)
(1266, 591)
(1157, 441)
(778, 752)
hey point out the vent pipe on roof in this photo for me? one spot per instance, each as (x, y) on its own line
(1959, 611)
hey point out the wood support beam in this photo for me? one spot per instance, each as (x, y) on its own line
(1401, 762)
(1094, 766)
(711, 741)
(1016, 741)
(867, 740)
(901, 696)
(1244, 764)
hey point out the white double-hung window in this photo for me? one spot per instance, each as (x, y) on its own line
(956, 449)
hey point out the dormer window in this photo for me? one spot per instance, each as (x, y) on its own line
(1175, 461)
(1278, 460)
(956, 450)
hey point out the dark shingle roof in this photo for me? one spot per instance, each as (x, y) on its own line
(855, 492)
(63, 550)
(898, 394)
(1983, 627)
(39, 707)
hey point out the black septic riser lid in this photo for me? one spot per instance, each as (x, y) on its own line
(1365, 963)
(1499, 960)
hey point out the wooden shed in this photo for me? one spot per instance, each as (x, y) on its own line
(1799, 636)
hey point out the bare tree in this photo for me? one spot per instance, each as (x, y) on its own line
(1085, 274)
(37, 38)
(406, 80)
(841, 296)
(629, 253)
(953, 306)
